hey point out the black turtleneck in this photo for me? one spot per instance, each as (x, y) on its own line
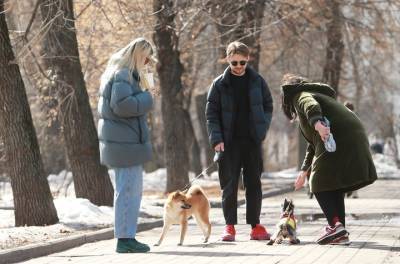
(240, 86)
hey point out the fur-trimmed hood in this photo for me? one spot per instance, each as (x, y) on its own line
(290, 90)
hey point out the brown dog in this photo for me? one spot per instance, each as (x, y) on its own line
(179, 206)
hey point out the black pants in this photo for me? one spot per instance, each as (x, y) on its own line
(332, 205)
(246, 155)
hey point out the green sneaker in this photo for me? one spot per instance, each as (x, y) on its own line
(131, 246)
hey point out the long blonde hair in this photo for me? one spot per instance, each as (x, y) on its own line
(132, 57)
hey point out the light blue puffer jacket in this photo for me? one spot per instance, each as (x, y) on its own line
(122, 127)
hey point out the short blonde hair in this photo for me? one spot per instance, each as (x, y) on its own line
(237, 47)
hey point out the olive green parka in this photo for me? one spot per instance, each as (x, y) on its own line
(351, 166)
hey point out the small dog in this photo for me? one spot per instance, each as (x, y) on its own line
(179, 206)
(286, 228)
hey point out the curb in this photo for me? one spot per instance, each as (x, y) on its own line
(270, 193)
(43, 249)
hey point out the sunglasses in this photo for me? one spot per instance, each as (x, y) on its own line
(235, 63)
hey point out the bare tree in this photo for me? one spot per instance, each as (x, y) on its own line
(33, 202)
(200, 101)
(238, 21)
(170, 70)
(227, 18)
(335, 46)
(253, 18)
(22, 24)
(61, 60)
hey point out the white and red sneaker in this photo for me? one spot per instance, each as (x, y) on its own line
(342, 240)
(331, 233)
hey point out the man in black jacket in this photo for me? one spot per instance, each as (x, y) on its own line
(239, 112)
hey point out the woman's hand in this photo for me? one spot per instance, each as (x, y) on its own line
(219, 147)
(323, 131)
(300, 180)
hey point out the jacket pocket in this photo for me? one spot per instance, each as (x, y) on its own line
(143, 129)
(134, 130)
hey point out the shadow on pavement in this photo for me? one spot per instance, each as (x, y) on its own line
(82, 256)
(373, 245)
(212, 254)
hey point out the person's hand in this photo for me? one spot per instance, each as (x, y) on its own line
(300, 180)
(323, 131)
(219, 147)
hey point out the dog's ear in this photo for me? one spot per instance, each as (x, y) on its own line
(175, 195)
(290, 208)
(285, 203)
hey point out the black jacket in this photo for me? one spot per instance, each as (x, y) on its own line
(220, 107)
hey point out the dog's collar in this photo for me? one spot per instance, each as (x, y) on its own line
(283, 215)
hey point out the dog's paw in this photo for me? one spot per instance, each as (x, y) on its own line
(271, 242)
(205, 240)
(295, 241)
(179, 244)
(156, 244)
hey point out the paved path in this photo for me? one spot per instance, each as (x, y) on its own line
(373, 222)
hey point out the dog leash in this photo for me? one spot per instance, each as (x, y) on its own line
(217, 157)
(187, 186)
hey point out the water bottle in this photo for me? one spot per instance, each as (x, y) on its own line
(330, 144)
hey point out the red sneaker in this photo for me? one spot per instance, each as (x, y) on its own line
(229, 233)
(259, 233)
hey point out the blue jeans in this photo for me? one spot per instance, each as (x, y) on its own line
(127, 198)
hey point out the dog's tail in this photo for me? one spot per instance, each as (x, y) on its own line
(196, 190)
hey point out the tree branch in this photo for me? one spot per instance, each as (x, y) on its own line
(28, 28)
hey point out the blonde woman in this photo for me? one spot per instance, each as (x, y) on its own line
(124, 135)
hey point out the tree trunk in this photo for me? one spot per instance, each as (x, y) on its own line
(61, 59)
(239, 21)
(170, 71)
(355, 70)
(228, 18)
(156, 132)
(48, 127)
(33, 202)
(253, 15)
(195, 157)
(192, 146)
(335, 47)
(392, 133)
(208, 153)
